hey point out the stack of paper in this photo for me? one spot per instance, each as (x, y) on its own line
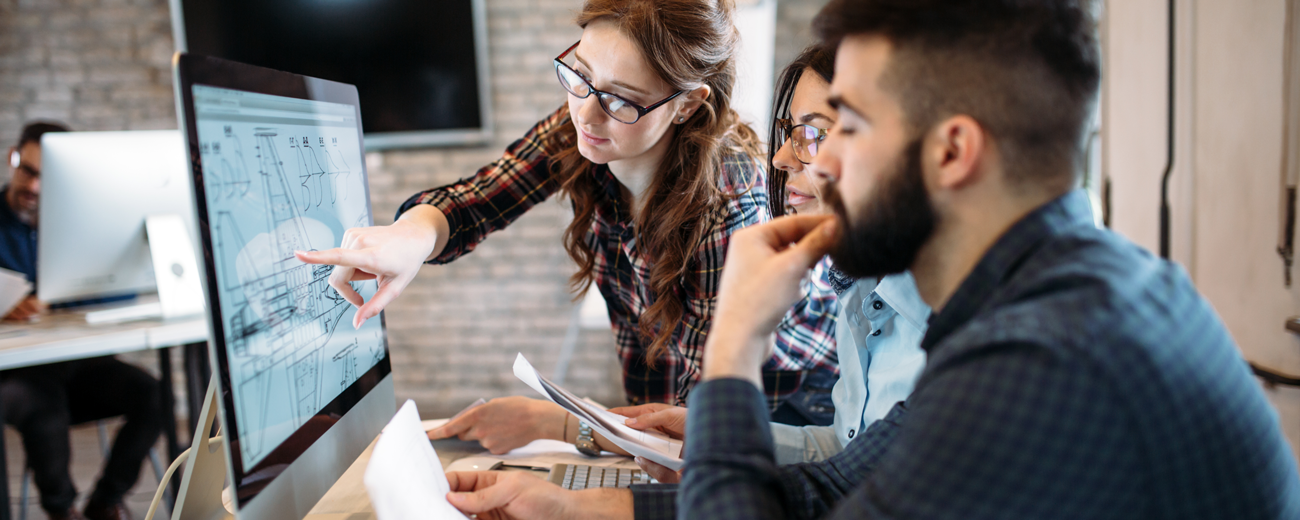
(13, 288)
(649, 444)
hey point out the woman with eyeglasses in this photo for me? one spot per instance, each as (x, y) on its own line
(880, 322)
(660, 173)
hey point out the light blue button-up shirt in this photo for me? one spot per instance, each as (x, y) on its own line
(878, 338)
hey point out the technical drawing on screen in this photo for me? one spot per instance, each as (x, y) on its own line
(282, 175)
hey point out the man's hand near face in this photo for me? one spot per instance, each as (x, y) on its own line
(519, 495)
(27, 309)
(760, 281)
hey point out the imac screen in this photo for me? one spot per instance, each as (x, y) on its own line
(281, 175)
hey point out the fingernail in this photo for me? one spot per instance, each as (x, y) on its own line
(630, 422)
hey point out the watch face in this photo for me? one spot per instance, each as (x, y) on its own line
(587, 447)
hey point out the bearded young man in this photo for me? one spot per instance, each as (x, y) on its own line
(1070, 373)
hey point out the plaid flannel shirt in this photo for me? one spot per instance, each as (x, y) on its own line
(502, 191)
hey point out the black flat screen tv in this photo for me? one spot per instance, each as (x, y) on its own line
(420, 66)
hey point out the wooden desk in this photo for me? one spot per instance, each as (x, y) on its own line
(348, 499)
(65, 336)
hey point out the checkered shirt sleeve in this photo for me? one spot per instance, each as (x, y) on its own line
(969, 452)
(498, 193)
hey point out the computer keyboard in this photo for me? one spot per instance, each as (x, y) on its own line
(575, 476)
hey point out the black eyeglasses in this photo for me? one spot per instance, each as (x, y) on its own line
(620, 109)
(804, 138)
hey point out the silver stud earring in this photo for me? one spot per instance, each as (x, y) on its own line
(681, 120)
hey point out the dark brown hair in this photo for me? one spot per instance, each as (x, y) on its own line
(1026, 70)
(688, 43)
(819, 59)
(33, 131)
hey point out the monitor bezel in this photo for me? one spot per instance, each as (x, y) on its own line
(191, 70)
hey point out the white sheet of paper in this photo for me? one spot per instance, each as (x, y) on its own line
(13, 288)
(649, 444)
(404, 477)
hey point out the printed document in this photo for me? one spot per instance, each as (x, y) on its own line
(650, 444)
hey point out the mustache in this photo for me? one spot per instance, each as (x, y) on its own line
(890, 226)
(832, 199)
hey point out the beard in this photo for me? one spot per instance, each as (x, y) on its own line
(891, 227)
(24, 203)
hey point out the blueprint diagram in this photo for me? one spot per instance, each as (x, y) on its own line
(272, 189)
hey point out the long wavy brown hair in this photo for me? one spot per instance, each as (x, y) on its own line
(688, 43)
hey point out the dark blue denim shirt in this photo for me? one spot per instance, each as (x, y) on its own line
(17, 241)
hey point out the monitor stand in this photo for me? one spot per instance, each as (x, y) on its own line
(206, 486)
(205, 471)
(174, 269)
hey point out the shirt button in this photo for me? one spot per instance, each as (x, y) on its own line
(878, 305)
(851, 432)
(876, 333)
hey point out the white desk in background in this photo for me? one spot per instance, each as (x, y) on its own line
(65, 336)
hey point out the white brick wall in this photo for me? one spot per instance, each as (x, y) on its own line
(105, 65)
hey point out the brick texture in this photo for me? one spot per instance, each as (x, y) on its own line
(106, 65)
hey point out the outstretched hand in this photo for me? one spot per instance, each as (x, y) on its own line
(392, 255)
(506, 423)
(760, 281)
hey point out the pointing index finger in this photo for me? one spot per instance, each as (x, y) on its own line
(337, 256)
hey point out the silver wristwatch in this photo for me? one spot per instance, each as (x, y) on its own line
(586, 444)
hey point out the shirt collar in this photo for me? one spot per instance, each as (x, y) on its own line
(899, 291)
(1002, 260)
(612, 203)
(839, 281)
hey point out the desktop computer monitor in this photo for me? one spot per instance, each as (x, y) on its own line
(97, 188)
(277, 167)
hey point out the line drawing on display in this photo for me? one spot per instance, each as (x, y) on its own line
(281, 313)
